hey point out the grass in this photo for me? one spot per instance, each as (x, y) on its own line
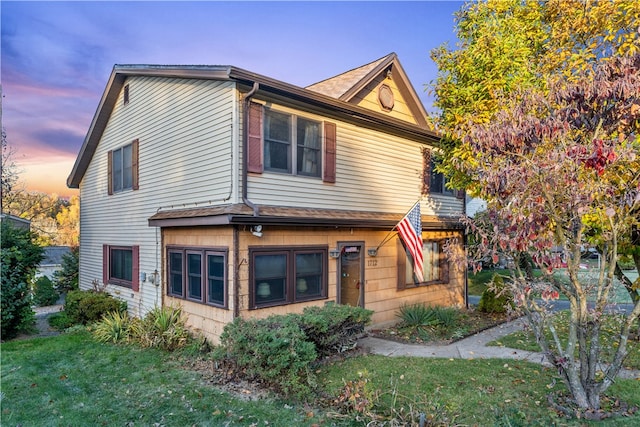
(72, 379)
(469, 392)
(525, 340)
(478, 282)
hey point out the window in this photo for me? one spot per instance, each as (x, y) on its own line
(287, 143)
(120, 266)
(122, 167)
(284, 276)
(439, 182)
(198, 275)
(282, 150)
(435, 268)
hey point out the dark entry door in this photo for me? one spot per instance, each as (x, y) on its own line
(351, 272)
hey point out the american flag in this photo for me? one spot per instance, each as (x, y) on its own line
(410, 231)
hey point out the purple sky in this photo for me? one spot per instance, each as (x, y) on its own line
(57, 56)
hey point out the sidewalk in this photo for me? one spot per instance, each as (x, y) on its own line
(473, 347)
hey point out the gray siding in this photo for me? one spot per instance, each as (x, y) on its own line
(374, 172)
(187, 147)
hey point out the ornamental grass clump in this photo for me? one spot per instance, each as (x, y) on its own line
(164, 328)
(116, 327)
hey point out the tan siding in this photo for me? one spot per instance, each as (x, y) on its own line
(368, 98)
(381, 294)
(185, 128)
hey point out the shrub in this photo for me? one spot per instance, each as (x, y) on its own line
(115, 327)
(274, 350)
(19, 258)
(43, 292)
(84, 307)
(417, 315)
(496, 298)
(60, 321)
(333, 328)
(163, 327)
(66, 279)
(279, 350)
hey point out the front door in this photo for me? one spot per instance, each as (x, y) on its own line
(351, 270)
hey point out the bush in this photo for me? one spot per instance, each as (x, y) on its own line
(19, 259)
(84, 307)
(417, 315)
(163, 327)
(274, 350)
(115, 327)
(43, 292)
(279, 350)
(66, 279)
(496, 298)
(333, 328)
(60, 321)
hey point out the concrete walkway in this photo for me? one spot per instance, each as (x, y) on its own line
(473, 347)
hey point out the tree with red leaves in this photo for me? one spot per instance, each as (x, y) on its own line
(553, 168)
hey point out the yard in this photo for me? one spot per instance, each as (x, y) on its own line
(71, 379)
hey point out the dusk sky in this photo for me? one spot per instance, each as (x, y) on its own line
(57, 56)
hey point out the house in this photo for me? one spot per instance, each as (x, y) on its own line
(52, 260)
(235, 194)
(15, 221)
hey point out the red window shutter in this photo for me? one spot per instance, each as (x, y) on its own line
(460, 194)
(329, 152)
(134, 163)
(401, 265)
(254, 144)
(444, 264)
(135, 274)
(426, 170)
(110, 172)
(105, 264)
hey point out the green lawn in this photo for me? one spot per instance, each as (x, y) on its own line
(73, 380)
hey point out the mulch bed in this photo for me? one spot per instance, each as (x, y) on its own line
(470, 323)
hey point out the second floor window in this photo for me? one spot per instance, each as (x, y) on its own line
(439, 182)
(123, 168)
(292, 144)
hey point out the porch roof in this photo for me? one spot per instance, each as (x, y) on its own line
(242, 214)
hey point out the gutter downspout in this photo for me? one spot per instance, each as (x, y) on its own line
(256, 211)
(245, 147)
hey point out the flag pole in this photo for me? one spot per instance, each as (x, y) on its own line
(387, 238)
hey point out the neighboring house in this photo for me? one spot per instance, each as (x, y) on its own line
(52, 260)
(16, 221)
(475, 205)
(235, 194)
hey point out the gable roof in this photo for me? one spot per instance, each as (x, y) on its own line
(53, 254)
(331, 105)
(347, 85)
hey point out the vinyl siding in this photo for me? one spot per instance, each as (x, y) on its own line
(186, 152)
(368, 98)
(374, 172)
